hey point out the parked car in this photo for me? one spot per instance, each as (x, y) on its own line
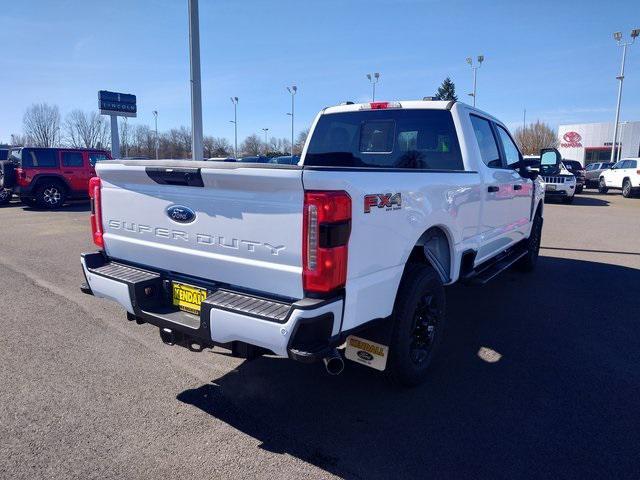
(5, 193)
(624, 175)
(391, 201)
(48, 177)
(255, 159)
(576, 168)
(593, 171)
(558, 181)
(221, 159)
(285, 160)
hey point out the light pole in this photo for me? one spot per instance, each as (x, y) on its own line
(475, 75)
(292, 90)
(373, 80)
(622, 129)
(234, 100)
(265, 130)
(155, 117)
(196, 91)
(617, 36)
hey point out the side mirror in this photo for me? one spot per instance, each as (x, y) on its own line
(550, 157)
(530, 168)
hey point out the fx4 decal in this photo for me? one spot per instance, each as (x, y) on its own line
(388, 201)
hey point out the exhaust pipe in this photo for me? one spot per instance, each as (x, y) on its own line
(334, 363)
(167, 336)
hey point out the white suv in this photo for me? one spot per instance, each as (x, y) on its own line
(559, 182)
(624, 175)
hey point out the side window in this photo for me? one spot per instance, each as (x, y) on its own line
(511, 152)
(72, 159)
(633, 164)
(486, 141)
(96, 157)
(39, 157)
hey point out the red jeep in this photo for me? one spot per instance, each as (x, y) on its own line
(47, 177)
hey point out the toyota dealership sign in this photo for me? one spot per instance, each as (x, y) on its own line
(571, 140)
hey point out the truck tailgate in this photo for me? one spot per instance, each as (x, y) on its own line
(247, 228)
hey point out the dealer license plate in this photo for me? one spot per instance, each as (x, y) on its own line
(188, 298)
(367, 352)
(551, 187)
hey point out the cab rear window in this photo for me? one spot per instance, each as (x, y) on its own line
(416, 139)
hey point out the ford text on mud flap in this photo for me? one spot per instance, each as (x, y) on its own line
(391, 201)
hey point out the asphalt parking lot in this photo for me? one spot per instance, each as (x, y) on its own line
(539, 375)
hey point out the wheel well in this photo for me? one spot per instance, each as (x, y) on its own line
(50, 178)
(433, 248)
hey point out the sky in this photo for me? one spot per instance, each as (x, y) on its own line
(556, 59)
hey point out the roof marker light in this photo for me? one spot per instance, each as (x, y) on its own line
(380, 105)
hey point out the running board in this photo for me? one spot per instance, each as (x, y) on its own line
(489, 270)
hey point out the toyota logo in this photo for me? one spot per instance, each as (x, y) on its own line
(572, 137)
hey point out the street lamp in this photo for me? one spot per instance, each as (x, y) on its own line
(617, 36)
(373, 80)
(622, 129)
(265, 130)
(234, 100)
(292, 90)
(475, 75)
(155, 116)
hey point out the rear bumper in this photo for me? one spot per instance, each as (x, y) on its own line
(304, 330)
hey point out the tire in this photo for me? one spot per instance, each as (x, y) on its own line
(579, 189)
(529, 261)
(418, 322)
(50, 195)
(602, 187)
(568, 200)
(626, 188)
(5, 196)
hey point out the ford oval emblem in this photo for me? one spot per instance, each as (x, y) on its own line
(181, 214)
(366, 356)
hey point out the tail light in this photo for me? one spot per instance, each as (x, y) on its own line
(326, 230)
(95, 193)
(21, 176)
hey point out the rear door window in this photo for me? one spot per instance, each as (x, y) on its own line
(486, 142)
(72, 159)
(389, 138)
(39, 158)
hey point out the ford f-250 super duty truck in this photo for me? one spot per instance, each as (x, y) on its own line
(351, 247)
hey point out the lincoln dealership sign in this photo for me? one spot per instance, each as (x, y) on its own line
(571, 140)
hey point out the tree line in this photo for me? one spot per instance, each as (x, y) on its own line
(43, 126)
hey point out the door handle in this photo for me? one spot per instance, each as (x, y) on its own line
(517, 186)
(493, 188)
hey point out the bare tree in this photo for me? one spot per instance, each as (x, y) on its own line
(216, 147)
(18, 140)
(300, 141)
(85, 130)
(534, 137)
(252, 145)
(42, 125)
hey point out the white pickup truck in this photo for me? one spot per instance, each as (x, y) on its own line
(351, 247)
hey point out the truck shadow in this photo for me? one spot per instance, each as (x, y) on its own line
(539, 376)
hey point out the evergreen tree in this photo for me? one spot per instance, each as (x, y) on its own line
(446, 91)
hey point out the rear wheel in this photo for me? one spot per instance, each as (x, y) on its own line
(626, 188)
(5, 196)
(568, 200)
(418, 321)
(602, 187)
(51, 195)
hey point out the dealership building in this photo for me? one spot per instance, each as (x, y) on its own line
(591, 142)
